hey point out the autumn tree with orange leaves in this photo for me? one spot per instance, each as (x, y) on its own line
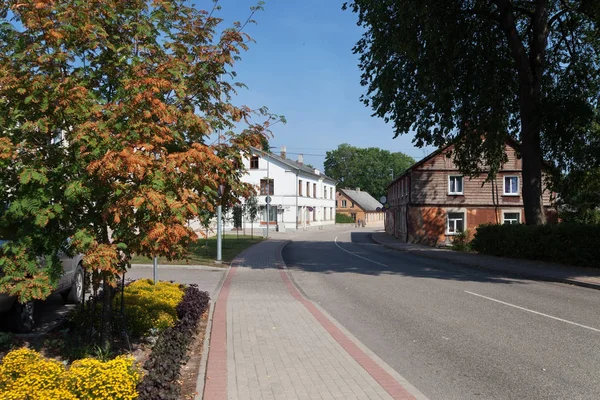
(108, 115)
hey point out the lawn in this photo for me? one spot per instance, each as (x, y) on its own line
(204, 251)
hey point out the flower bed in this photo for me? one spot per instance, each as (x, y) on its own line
(170, 351)
(24, 374)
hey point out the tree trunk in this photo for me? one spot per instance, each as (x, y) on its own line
(532, 175)
(106, 332)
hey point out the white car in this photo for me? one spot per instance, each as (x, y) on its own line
(70, 286)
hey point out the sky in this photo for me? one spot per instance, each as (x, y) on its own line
(302, 67)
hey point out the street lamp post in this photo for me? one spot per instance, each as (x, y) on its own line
(219, 223)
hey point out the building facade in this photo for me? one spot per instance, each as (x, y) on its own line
(431, 202)
(300, 196)
(359, 205)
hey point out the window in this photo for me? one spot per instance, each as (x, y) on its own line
(331, 212)
(325, 213)
(336, 204)
(300, 187)
(511, 185)
(324, 191)
(267, 187)
(511, 218)
(455, 184)
(254, 162)
(315, 190)
(456, 223)
(331, 193)
(352, 206)
(272, 214)
(344, 203)
(307, 189)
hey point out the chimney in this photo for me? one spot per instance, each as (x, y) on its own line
(283, 151)
(301, 159)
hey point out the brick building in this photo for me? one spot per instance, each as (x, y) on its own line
(432, 201)
(359, 205)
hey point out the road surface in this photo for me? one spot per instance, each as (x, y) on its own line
(454, 332)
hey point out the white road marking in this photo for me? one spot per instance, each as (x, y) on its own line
(356, 255)
(534, 312)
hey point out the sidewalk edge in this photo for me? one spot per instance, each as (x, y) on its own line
(518, 274)
(399, 378)
(201, 380)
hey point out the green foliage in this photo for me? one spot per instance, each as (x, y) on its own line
(477, 73)
(238, 212)
(343, 219)
(461, 242)
(369, 169)
(6, 340)
(574, 244)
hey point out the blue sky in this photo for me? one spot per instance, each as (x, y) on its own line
(302, 66)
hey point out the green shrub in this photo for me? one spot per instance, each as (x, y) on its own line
(575, 244)
(461, 241)
(343, 219)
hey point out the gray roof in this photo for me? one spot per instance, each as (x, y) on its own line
(363, 199)
(292, 164)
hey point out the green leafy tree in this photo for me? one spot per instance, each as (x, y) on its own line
(107, 110)
(476, 72)
(371, 169)
(252, 210)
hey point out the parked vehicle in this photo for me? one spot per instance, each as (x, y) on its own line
(70, 286)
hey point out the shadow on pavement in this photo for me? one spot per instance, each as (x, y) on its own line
(369, 258)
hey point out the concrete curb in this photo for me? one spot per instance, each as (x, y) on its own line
(510, 272)
(183, 266)
(206, 343)
(395, 375)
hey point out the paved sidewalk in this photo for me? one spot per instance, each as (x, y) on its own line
(587, 277)
(269, 342)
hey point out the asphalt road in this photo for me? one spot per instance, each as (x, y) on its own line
(453, 332)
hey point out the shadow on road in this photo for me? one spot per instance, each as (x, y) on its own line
(369, 258)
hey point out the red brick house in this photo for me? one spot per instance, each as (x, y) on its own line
(359, 205)
(432, 201)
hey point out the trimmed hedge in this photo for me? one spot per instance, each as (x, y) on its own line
(574, 244)
(170, 351)
(343, 219)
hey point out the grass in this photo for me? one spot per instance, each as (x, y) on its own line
(204, 251)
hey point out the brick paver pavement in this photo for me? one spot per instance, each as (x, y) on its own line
(279, 345)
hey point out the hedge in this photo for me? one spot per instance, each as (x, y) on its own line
(170, 351)
(343, 219)
(574, 244)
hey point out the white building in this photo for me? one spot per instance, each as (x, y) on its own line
(300, 196)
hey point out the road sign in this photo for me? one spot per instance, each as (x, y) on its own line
(382, 199)
(309, 209)
(268, 199)
(378, 209)
(387, 206)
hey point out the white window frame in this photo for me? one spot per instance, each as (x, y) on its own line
(511, 211)
(449, 211)
(504, 185)
(344, 204)
(462, 184)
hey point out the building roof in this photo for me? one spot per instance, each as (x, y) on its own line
(293, 164)
(509, 141)
(363, 199)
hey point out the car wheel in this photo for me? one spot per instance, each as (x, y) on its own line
(76, 293)
(23, 316)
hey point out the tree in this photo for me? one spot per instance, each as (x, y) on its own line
(107, 109)
(477, 72)
(371, 169)
(252, 211)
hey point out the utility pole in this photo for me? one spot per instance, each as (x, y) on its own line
(219, 224)
(268, 195)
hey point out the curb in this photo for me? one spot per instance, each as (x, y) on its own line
(405, 384)
(206, 343)
(182, 266)
(517, 274)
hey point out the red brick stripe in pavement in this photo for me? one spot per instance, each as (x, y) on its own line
(386, 381)
(216, 369)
